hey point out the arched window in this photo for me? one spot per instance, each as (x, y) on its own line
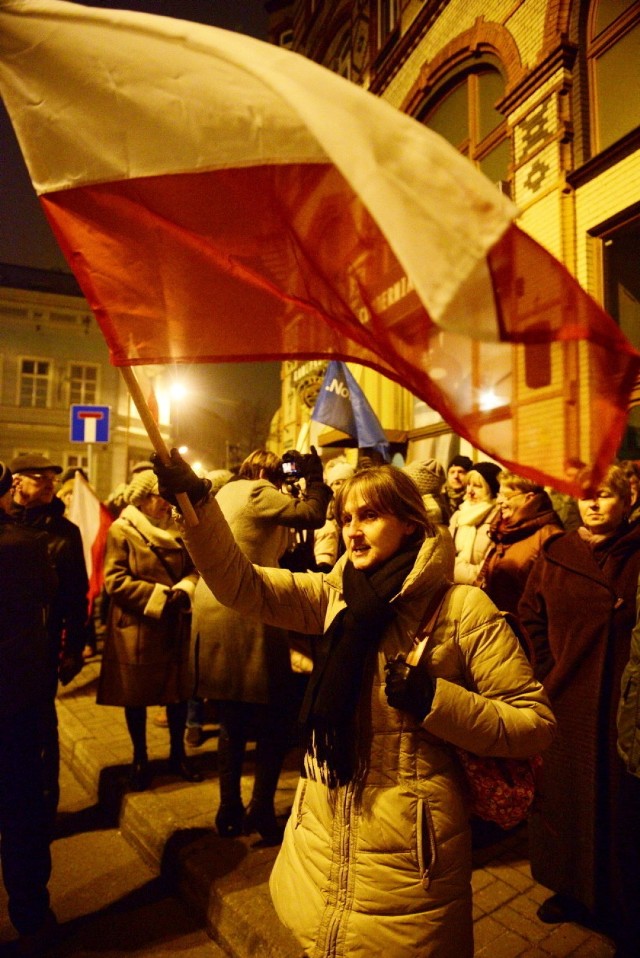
(613, 55)
(463, 109)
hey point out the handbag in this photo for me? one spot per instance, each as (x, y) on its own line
(500, 790)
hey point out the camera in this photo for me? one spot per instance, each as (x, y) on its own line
(292, 465)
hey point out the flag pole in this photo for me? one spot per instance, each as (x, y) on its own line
(155, 437)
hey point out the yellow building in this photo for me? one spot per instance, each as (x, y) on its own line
(544, 97)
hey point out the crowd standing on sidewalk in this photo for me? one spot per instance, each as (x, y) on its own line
(357, 703)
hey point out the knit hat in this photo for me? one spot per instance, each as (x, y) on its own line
(6, 478)
(463, 461)
(142, 484)
(428, 475)
(338, 469)
(489, 472)
(141, 466)
(33, 462)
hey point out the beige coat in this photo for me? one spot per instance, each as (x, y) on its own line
(146, 650)
(235, 656)
(386, 869)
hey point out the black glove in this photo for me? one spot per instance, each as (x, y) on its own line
(409, 687)
(69, 667)
(177, 601)
(178, 476)
(313, 470)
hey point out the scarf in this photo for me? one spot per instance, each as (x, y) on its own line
(328, 713)
(469, 516)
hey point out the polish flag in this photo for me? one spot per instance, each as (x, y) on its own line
(93, 519)
(222, 199)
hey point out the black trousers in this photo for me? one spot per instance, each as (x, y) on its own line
(24, 821)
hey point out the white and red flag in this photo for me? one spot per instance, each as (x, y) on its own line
(222, 199)
(93, 518)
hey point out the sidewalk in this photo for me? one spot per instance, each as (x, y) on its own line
(225, 880)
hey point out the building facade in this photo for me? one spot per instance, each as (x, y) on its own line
(544, 97)
(54, 357)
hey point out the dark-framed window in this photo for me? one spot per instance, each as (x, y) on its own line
(464, 110)
(613, 58)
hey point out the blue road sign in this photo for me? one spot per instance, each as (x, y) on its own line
(90, 423)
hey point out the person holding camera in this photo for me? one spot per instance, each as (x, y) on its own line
(238, 661)
(376, 857)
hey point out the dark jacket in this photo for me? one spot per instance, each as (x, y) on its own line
(69, 608)
(27, 585)
(578, 609)
(516, 546)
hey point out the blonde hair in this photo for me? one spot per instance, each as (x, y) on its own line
(391, 492)
(513, 481)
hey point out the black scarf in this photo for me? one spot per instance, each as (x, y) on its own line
(328, 710)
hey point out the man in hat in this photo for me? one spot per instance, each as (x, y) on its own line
(36, 505)
(456, 483)
(27, 586)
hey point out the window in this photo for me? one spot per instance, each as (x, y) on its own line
(387, 16)
(463, 110)
(613, 54)
(35, 379)
(83, 383)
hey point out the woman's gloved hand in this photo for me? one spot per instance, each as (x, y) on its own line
(313, 468)
(409, 687)
(178, 476)
(177, 601)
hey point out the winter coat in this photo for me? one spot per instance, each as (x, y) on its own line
(384, 867)
(469, 527)
(145, 657)
(579, 615)
(28, 584)
(628, 719)
(70, 608)
(516, 546)
(234, 655)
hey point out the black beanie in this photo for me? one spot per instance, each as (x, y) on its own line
(489, 472)
(463, 461)
(6, 478)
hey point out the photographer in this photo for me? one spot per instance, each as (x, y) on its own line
(241, 663)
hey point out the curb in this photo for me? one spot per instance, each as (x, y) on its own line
(222, 881)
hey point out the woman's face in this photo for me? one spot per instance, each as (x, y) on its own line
(511, 501)
(155, 507)
(477, 489)
(603, 513)
(371, 537)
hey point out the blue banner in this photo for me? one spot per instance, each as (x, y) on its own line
(342, 405)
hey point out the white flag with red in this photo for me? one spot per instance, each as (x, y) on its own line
(222, 199)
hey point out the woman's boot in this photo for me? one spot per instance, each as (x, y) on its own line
(178, 764)
(139, 777)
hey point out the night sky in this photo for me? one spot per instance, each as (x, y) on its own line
(25, 236)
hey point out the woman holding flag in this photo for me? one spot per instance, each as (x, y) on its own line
(376, 857)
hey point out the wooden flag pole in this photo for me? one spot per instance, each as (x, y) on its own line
(155, 438)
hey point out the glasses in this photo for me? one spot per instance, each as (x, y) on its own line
(504, 497)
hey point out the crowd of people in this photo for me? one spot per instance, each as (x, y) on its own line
(295, 606)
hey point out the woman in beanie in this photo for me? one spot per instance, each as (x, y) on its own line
(376, 857)
(470, 525)
(150, 580)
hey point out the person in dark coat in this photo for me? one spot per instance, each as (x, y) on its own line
(525, 521)
(36, 505)
(27, 587)
(579, 609)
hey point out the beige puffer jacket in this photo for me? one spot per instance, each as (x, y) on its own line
(386, 869)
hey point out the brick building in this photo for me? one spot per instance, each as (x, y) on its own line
(544, 97)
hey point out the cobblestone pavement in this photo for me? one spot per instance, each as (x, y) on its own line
(171, 825)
